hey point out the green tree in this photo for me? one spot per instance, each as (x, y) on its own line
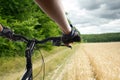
(16, 9)
(24, 17)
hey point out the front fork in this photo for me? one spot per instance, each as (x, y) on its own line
(28, 54)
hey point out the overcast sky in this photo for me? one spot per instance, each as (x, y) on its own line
(94, 16)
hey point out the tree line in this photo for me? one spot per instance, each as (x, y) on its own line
(105, 37)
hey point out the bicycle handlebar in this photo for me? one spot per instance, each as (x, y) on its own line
(57, 41)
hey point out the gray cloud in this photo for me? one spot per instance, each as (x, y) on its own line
(108, 14)
(94, 16)
(112, 5)
(86, 19)
(109, 9)
(96, 4)
(89, 4)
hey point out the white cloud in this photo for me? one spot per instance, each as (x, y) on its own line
(89, 29)
(94, 16)
(70, 5)
(112, 26)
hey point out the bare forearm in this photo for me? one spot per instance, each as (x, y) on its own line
(54, 9)
(1, 28)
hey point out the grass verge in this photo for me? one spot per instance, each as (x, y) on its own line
(16, 65)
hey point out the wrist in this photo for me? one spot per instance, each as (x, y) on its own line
(67, 31)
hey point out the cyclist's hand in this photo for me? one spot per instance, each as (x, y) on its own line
(6, 32)
(74, 36)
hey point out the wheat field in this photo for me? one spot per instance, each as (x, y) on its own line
(93, 61)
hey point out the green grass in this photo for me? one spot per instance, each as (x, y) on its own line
(53, 58)
(11, 64)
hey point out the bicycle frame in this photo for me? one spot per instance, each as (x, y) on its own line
(28, 53)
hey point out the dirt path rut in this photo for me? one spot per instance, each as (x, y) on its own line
(93, 61)
(76, 67)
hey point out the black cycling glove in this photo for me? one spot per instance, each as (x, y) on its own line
(74, 36)
(6, 33)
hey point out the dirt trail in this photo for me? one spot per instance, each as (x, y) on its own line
(90, 61)
(77, 67)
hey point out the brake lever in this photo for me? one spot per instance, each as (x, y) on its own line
(59, 43)
(69, 46)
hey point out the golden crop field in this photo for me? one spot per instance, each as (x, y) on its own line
(93, 61)
(86, 61)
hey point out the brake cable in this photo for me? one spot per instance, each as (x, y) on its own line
(42, 66)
